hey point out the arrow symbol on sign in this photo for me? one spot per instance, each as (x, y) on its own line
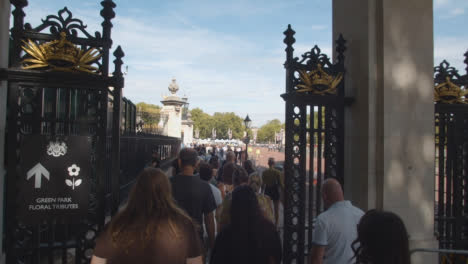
(37, 171)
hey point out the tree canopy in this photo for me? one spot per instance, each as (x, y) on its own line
(150, 113)
(205, 122)
(222, 122)
(266, 133)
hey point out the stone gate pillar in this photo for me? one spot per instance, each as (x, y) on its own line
(171, 111)
(389, 141)
(4, 36)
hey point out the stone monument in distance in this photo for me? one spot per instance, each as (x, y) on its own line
(171, 112)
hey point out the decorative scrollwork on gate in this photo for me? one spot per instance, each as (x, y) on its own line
(332, 155)
(63, 22)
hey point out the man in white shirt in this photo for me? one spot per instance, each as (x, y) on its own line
(335, 228)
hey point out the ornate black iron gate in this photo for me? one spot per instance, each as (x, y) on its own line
(314, 139)
(59, 86)
(451, 124)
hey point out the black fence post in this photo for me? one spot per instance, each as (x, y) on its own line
(17, 30)
(116, 122)
(108, 14)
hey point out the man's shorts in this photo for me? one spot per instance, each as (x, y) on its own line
(273, 192)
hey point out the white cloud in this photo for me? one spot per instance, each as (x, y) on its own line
(439, 3)
(239, 8)
(448, 9)
(457, 11)
(451, 49)
(219, 72)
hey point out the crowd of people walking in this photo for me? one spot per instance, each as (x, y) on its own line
(210, 208)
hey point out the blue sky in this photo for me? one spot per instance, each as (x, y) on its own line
(227, 56)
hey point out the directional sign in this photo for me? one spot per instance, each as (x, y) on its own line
(37, 171)
(54, 182)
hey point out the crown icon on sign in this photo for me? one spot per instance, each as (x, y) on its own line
(61, 55)
(312, 80)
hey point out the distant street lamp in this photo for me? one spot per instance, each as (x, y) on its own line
(247, 123)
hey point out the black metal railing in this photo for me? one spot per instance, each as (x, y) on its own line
(136, 151)
(128, 116)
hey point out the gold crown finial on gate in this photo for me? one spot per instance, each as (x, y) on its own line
(318, 77)
(449, 93)
(61, 55)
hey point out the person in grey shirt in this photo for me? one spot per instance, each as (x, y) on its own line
(336, 228)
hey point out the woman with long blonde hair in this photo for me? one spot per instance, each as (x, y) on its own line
(150, 229)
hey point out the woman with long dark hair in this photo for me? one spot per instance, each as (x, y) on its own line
(249, 237)
(381, 239)
(150, 229)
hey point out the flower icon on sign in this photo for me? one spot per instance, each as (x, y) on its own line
(73, 170)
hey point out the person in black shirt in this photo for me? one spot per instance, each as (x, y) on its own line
(250, 237)
(194, 195)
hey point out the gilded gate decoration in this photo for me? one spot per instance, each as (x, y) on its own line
(316, 78)
(451, 177)
(450, 87)
(60, 55)
(314, 139)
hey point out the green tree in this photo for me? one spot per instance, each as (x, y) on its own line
(222, 122)
(225, 121)
(202, 121)
(150, 113)
(266, 133)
